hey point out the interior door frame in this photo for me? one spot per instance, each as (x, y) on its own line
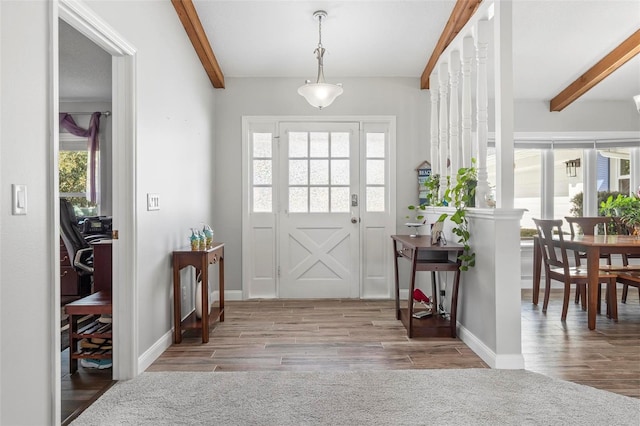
(125, 327)
(273, 122)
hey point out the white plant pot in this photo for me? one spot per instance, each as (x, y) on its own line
(199, 300)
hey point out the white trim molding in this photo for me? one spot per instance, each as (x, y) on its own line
(502, 362)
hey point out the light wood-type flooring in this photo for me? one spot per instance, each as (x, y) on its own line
(330, 335)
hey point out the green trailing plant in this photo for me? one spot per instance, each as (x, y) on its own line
(461, 196)
(432, 187)
(416, 212)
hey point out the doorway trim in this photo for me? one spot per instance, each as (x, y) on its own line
(267, 284)
(125, 306)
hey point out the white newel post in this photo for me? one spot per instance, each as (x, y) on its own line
(468, 52)
(482, 45)
(454, 123)
(443, 76)
(433, 89)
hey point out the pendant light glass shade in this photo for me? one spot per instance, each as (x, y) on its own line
(320, 94)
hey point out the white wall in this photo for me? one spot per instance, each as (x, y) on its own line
(26, 258)
(175, 109)
(175, 133)
(400, 97)
(580, 116)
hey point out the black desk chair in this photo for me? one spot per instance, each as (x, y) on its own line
(80, 251)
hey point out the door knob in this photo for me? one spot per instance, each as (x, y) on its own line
(354, 220)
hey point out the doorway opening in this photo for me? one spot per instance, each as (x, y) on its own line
(122, 62)
(318, 206)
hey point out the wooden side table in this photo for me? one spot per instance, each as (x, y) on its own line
(425, 256)
(200, 260)
(96, 304)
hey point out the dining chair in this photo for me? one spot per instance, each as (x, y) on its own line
(626, 266)
(586, 225)
(629, 278)
(557, 267)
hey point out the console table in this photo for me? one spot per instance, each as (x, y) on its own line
(200, 260)
(425, 256)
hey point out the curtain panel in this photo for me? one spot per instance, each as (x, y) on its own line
(68, 123)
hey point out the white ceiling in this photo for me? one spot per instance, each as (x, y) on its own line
(84, 68)
(554, 41)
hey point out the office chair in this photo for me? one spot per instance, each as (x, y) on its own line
(80, 251)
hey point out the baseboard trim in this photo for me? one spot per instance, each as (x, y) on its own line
(228, 295)
(154, 352)
(500, 362)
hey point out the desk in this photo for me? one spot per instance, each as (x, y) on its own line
(102, 265)
(425, 256)
(200, 260)
(593, 246)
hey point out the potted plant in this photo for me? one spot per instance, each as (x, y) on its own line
(432, 187)
(631, 216)
(461, 196)
(627, 208)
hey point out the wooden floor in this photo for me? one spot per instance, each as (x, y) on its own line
(331, 335)
(606, 358)
(81, 389)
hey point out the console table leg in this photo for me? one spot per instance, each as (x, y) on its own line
(454, 303)
(177, 330)
(221, 286)
(205, 300)
(395, 265)
(414, 261)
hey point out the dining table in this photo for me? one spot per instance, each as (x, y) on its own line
(594, 246)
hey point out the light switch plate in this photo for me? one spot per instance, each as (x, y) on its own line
(153, 202)
(18, 199)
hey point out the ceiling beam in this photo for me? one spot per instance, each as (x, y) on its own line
(607, 65)
(189, 17)
(460, 15)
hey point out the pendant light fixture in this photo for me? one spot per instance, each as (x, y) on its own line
(320, 94)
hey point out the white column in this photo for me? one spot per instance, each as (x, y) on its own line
(443, 76)
(634, 181)
(590, 183)
(468, 52)
(503, 65)
(454, 120)
(433, 89)
(546, 185)
(482, 44)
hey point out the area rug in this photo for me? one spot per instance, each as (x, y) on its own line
(400, 397)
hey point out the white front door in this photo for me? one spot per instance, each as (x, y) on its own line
(319, 219)
(304, 182)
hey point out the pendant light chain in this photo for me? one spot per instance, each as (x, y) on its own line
(319, 30)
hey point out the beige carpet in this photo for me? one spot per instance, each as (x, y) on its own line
(405, 397)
